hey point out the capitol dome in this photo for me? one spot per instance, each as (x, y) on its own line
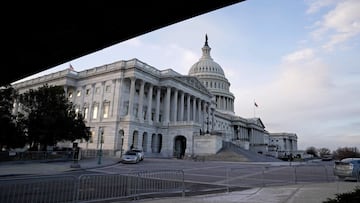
(212, 76)
(206, 64)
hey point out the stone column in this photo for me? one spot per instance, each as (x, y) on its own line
(188, 108)
(149, 107)
(167, 105)
(232, 105)
(82, 97)
(91, 103)
(113, 98)
(118, 98)
(208, 115)
(194, 109)
(131, 97)
(157, 110)
(212, 119)
(101, 102)
(175, 105)
(224, 103)
(140, 139)
(141, 102)
(182, 106)
(199, 111)
(220, 102)
(204, 116)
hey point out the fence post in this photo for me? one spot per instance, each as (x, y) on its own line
(136, 188)
(227, 180)
(77, 188)
(326, 173)
(263, 176)
(295, 175)
(183, 183)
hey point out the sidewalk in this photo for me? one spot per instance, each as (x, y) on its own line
(300, 193)
(37, 167)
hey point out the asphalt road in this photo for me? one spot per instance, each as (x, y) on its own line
(199, 178)
(244, 174)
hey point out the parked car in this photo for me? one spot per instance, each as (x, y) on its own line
(348, 168)
(140, 152)
(130, 157)
(327, 157)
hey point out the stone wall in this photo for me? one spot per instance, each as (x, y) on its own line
(207, 144)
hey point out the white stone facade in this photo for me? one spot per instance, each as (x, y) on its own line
(283, 144)
(130, 103)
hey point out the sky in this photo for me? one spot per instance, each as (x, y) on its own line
(298, 60)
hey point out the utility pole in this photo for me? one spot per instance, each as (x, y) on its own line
(101, 140)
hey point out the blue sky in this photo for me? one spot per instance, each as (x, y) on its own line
(299, 60)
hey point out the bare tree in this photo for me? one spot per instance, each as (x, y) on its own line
(324, 151)
(346, 152)
(312, 150)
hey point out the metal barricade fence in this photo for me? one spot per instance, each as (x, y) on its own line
(49, 189)
(264, 176)
(311, 173)
(160, 181)
(102, 186)
(91, 187)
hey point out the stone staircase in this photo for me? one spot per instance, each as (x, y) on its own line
(247, 154)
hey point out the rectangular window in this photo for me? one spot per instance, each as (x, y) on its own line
(144, 113)
(106, 109)
(86, 109)
(87, 92)
(97, 90)
(91, 140)
(78, 93)
(95, 111)
(76, 110)
(108, 88)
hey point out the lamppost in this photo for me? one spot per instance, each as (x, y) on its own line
(76, 152)
(122, 142)
(101, 140)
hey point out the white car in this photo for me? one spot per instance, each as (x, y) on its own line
(140, 152)
(348, 168)
(130, 157)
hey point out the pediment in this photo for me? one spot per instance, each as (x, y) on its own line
(194, 82)
(257, 121)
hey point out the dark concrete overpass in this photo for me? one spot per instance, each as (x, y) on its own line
(37, 36)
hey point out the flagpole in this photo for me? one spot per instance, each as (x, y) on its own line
(254, 108)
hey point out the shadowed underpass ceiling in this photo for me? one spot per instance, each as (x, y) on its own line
(39, 36)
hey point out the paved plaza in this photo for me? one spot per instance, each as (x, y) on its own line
(292, 193)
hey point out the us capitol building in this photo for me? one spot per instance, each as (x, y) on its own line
(132, 104)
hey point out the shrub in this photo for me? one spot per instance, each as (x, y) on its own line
(348, 197)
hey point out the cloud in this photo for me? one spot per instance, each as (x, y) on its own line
(316, 5)
(339, 24)
(308, 97)
(301, 55)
